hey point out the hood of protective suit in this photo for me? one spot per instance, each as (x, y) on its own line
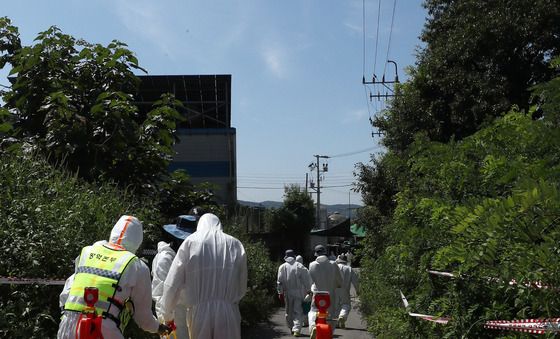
(322, 258)
(163, 246)
(290, 260)
(127, 233)
(209, 223)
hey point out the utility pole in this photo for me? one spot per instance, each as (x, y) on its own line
(384, 83)
(316, 166)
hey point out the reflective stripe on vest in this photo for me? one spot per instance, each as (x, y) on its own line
(99, 267)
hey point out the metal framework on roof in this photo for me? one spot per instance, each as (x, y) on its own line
(206, 98)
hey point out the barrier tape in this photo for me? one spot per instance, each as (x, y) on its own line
(530, 284)
(432, 318)
(48, 281)
(30, 281)
(427, 317)
(442, 274)
(533, 326)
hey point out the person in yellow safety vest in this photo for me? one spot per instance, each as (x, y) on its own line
(122, 279)
(211, 269)
(174, 234)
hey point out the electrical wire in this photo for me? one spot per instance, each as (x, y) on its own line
(335, 186)
(364, 38)
(261, 188)
(352, 153)
(390, 35)
(377, 37)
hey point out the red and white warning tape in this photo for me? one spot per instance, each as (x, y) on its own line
(47, 281)
(432, 318)
(30, 281)
(533, 326)
(530, 284)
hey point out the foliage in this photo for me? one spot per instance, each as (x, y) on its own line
(74, 101)
(547, 96)
(47, 216)
(479, 58)
(295, 218)
(178, 190)
(485, 208)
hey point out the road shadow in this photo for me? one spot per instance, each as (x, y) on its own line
(261, 331)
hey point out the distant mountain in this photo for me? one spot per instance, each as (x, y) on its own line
(340, 208)
(265, 204)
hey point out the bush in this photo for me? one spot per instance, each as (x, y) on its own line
(485, 208)
(46, 217)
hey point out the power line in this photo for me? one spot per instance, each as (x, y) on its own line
(377, 37)
(390, 35)
(335, 186)
(353, 153)
(261, 188)
(364, 38)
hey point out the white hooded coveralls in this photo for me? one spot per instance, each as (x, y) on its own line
(325, 276)
(211, 268)
(135, 284)
(294, 282)
(160, 268)
(349, 277)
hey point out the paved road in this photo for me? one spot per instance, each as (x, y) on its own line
(278, 329)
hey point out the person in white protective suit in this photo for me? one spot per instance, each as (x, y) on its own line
(211, 269)
(293, 284)
(325, 276)
(349, 277)
(175, 234)
(306, 305)
(116, 271)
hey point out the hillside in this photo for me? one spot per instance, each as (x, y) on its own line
(341, 208)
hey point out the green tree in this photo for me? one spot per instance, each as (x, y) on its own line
(178, 195)
(294, 219)
(479, 58)
(74, 101)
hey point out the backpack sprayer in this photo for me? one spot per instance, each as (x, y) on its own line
(89, 325)
(322, 328)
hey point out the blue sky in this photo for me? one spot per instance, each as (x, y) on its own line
(296, 69)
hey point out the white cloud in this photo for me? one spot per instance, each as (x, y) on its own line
(275, 60)
(354, 28)
(146, 19)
